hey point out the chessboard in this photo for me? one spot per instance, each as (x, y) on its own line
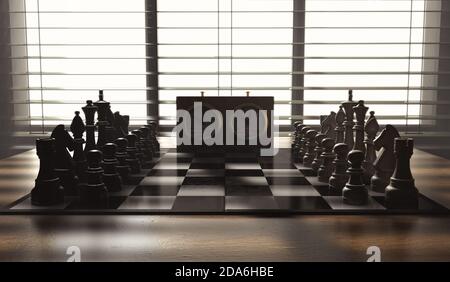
(223, 182)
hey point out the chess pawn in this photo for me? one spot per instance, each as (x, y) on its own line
(371, 128)
(47, 190)
(94, 194)
(349, 115)
(140, 147)
(326, 168)
(78, 128)
(318, 150)
(302, 145)
(355, 192)
(297, 140)
(339, 129)
(339, 177)
(133, 160)
(110, 176)
(89, 113)
(310, 145)
(122, 156)
(402, 193)
(145, 137)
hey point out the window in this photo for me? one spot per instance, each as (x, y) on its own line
(76, 47)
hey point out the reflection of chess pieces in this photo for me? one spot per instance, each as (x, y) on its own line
(110, 176)
(122, 156)
(310, 145)
(318, 150)
(402, 193)
(371, 128)
(339, 177)
(89, 113)
(102, 122)
(348, 123)
(326, 168)
(355, 192)
(94, 194)
(360, 113)
(78, 128)
(340, 118)
(47, 190)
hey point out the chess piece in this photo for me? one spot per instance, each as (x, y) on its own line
(318, 150)
(402, 193)
(89, 113)
(47, 190)
(360, 112)
(102, 122)
(326, 168)
(323, 126)
(297, 140)
(140, 147)
(294, 134)
(339, 129)
(78, 128)
(339, 176)
(302, 145)
(94, 194)
(123, 168)
(126, 124)
(371, 128)
(110, 176)
(329, 124)
(119, 124)
(145, 137)
(153, 125)
(348, 123)
(385, 162)
(310, 145)
(64, 164)
(355, 192)
(132, 160)
(110, 134)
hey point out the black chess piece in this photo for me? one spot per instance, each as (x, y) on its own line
(47, 190)
(297, 140)
(339, 177)
(302, 145)
(329, 125)
(145, 138)
(89, 113)
(318, 150)
(64, 163)
(355, 192)
(126, 124)
(78, 128)
(326, 168)
(402, 192)
(111, 178)
(119, 124)
(360, 113)
(349, 123)
(102, 122)
(385, 162)
(294, 134)
(310, 145)
(140, 147)
(123, 167)
(111, 133)
(153, 125)
(371, 128)
(94, 194)
(340, 128)
(132, 160)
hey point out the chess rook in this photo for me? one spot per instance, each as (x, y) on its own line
(348, 123)
(339, 177)
(355, 192)
(402, 193)
(47, 190)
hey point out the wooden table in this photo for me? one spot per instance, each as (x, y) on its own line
(225, 238)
